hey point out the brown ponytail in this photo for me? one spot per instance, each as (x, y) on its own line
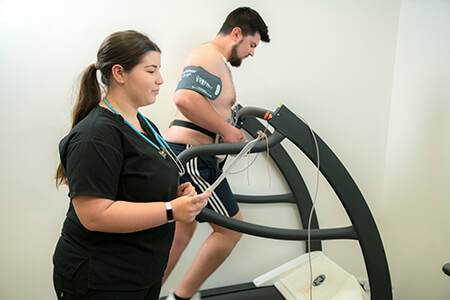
(89, 95)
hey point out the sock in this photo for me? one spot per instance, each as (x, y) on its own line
(179, 298)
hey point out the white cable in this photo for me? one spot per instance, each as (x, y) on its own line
(312, 208)
(254, 159)
(243, 152)
(247, 167)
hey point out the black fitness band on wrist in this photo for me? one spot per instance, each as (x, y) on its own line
(169, 212)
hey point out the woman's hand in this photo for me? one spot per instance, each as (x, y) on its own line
(185, 208)
(186, 189)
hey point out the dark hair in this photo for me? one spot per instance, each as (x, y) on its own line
(125, 48)
(248, 20)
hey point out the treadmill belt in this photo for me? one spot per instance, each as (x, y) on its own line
(245, 291)
(263, 293)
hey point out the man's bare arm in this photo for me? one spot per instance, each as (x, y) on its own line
(198, 110)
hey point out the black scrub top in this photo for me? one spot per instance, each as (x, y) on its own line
(104, 157)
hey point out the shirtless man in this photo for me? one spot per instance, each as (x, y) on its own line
(204, 97)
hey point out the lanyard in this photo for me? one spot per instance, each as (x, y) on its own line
(161, 141)
(163, 148)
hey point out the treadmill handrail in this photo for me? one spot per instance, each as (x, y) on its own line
(253, 111)
(227, 148)
(277, 233)
(363, 227)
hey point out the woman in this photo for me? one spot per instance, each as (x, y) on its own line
(122, 179)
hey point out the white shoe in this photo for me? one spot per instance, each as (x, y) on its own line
(171, 296)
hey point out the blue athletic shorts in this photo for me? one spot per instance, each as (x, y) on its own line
(202, 171)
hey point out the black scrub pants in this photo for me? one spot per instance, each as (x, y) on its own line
(77, 289)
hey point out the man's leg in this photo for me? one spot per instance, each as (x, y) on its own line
(210, 256)
(182, 237)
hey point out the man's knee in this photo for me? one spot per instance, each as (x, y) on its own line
(235, 236)
(229, 235)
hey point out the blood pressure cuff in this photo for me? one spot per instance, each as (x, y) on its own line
(199, 80)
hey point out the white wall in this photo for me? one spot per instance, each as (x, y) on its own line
(414, 216)
(330, 61)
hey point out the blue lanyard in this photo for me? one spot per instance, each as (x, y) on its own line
(159, 138)
(164, 148)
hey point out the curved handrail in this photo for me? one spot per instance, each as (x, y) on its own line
(278, 233)
(281, 198)
(253, 111)
(227, 148)
(233, 148)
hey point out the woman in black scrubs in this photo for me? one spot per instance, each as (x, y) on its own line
(122, 179)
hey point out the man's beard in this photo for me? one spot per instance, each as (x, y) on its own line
(234, 59)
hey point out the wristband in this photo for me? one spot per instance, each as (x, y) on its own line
(169, 212)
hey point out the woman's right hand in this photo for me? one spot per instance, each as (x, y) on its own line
(186, 189)
(186, 208)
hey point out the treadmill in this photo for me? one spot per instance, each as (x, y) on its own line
(286, 125)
